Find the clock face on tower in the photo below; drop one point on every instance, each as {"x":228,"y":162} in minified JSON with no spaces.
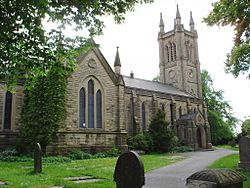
{"x":171,"y":74}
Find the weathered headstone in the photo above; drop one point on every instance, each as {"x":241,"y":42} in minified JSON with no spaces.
{"x":38,"y":159}
{"x":244,"y":146}
{"x":129,"y":171}
{"x":216,"y":178}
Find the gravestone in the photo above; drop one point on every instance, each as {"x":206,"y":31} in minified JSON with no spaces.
{"x":244,"y":147}
{"x":216,"y":178}
{"x":129,"y":171}
{"x":37,"y":159}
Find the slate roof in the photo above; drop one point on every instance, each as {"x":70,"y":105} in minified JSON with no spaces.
{"x":153,"y":86}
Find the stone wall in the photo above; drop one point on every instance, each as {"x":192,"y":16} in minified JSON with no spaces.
{"x":92,"y":66}
{"x":153,"y":101}
{"x":93,"y":141}
{"x":8,"y":136}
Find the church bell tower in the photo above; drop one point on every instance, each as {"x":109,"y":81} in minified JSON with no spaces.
{"x":179,"y":59}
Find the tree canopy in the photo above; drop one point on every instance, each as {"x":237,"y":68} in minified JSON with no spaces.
{"x":27,"y":50}
{"x":234,"y":13}
{"x":246,"y":127}
{"x":220,"y":116}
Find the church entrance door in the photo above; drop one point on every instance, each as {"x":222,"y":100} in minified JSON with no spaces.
{"x":198,"y":134}
{"x":201,"y":137}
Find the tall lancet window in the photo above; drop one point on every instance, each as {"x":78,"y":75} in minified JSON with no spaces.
{"x":172,"y":57}
{"x":167,"y":50}
{"x":163,"y":107}
{"x":99,"y":109}
{"x":82,"y":108}
{"x":172,"y":114}
{"x":180,"y":111}
{"x":174,"y":46}
{"x":143,"y":117}
{"x":7,"y":110}
{"x":188,"y":50}
{"x":191,"y":52}
{"x":91,"y":104}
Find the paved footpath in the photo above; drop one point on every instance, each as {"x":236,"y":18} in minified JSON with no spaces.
{"x":174,"y":176}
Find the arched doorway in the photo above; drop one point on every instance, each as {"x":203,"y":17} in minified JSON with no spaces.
{"x":198,"y":134}
{"x":201,"y":137}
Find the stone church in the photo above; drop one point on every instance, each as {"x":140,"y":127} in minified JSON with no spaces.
{"x":104,"y":107}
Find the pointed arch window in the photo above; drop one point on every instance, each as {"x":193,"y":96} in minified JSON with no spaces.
{"x":172,"y":57}
{"x":163,"y":107}
{"x":8,"y":110}
{"x":132,"y":127}
{"x":172,"y":114}
{"x":174,"y":46}
{"x":180,"y":111}
{"x":143,"y":117}
{"x":90,"y":104}
{"x":82,"y":108}
{"x":191,"y":52}
{"x":167,"y":48}
{"x":99,"y":109}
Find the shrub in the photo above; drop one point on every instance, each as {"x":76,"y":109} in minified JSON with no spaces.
{"x":79,"y":155}
{"x":180,"y":149}
{"x":100,"y":155}
{"x":16,"y":159}
{"x":232,"y":143}
{"x":140,"y":142}
{"x":11,"y":155}
{"x":175,"y":142}
{"x":114,"y":152}
{"x":160,"y":132}
{"x":9,"y":152}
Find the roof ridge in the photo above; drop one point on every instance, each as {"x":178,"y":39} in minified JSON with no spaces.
{"x":159,"y":84}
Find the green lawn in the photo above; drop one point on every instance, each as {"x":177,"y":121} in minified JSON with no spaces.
{"x":20,"y":174}
{"x":228,"y":147}
{"x":231,"y":161}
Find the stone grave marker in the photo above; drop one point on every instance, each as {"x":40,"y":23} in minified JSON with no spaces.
{"x":129,"y":171}
{"x":216,"y":178}
{"x":244,"y":147}
{"x":37,"y":159}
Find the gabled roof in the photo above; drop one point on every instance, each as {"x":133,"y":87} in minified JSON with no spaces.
{"x":153,"y":86}
{"x":102,"y":60}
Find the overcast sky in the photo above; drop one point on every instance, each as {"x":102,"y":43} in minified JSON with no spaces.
{"x":138,"y":46}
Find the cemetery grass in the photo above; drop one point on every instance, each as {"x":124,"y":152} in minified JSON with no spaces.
{"x":20,"y":174}
{"x":235,"y":148}
{"x":231,"y":161}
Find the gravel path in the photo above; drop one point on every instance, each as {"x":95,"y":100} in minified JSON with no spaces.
{"x":174,"y":176}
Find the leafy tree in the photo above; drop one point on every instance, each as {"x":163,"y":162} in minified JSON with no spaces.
{"x":156,"y":79}
{"x":28,"y":51}
{"x":220,"y":131}
{"x":245,"y":127}
{"x":160,"y":132}
{"x":234,"y":13}
{"x":44,"y":110}
{"x":220,"y":116}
